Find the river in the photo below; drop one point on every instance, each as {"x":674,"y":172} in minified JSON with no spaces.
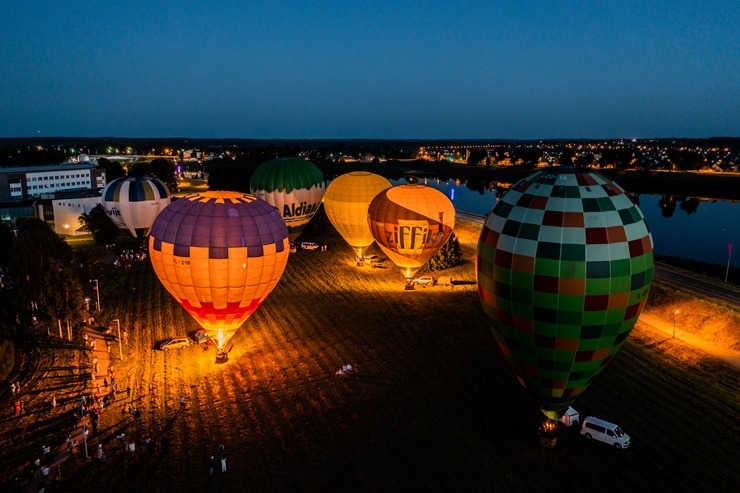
{"x":690,"y":228}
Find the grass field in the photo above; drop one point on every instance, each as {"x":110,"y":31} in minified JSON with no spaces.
{"x":432,"y":407}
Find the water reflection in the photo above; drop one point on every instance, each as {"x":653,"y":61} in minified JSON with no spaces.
{"x":701,"y":234}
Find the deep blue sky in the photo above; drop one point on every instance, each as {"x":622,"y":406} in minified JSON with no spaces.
{"x":372,"y":69}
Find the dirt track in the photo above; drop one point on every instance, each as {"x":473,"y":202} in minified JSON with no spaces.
{"x":432,"y":406}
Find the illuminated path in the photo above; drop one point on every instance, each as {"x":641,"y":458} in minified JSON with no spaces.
{"x":729,"y":357}
{"x":688,"y":281}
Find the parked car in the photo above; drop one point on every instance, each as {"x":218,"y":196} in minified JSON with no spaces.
{"x":308,"y":245}
{"x":604,"y":431}
{"x":202,"y":337}
{"x":174,"y":343}
{"x":424,"y":281}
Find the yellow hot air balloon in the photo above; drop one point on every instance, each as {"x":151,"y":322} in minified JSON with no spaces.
{"x":219,"y":254}
{"x":346,"y":201}
{"x":410,"y":223}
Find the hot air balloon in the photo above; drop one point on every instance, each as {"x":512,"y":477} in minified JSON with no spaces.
{"x":564,"y":266}
{"x":346,"y":201}
{"x":410,"y":223}
{"x":293,"y":186}
{"x":219,"y":254}
{"x":133,"y":202}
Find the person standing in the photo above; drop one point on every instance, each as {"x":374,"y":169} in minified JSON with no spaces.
{"x":12,"y":388}
{"x":211,"y":466}
{"x":53,"y":401}
{"x":223,"y":464}
{"x":125,"y":337}
{"x":182,"y":403}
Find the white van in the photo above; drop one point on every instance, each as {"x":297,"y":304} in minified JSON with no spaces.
{"x":308,"y":245}
{"x":604,"y":431}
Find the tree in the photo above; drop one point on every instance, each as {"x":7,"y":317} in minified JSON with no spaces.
{"x":99,"y":225}
{"x":113,"y":169}
{"x":39,"y":268}
{"x":477,"y":155}
{"x":159,"y":168}
{"x":448,"y":256}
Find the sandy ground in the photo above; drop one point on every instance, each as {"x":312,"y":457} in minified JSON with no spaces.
{"x":429,"y":405}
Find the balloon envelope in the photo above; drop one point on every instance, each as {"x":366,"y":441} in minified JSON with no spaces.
{"x":219,"y":254}
{"x":410,"y":223}
{"x":133,"y":202}
{"x":293,"y":186}
{"x":346,"y":202}
{"x":564,"y":266}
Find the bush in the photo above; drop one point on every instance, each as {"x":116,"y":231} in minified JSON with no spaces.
{"x":448,"y":256}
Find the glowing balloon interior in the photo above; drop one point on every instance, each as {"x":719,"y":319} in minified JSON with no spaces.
{"x":564,"y":266}
{"x":133,"y":203}
{"x":346,"y":203}
{"x":410,"y":223}
{"x":293,"y":186}
{"x":219,"y":254}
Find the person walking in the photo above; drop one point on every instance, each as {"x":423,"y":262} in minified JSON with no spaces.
{"x":182,"y":403}
{"x":125,"y":337}
{"x":211,"y":466}
{"x":128,"y":391}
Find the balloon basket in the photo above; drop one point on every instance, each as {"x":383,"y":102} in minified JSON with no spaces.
{"x":222,"y":356}
{"x":547,"y":432}
{"x":548,"y":442}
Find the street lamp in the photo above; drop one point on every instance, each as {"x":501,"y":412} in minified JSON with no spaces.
{"x":120,"y":351}
{"x":674,"y":322}
{"x":97,"y":291}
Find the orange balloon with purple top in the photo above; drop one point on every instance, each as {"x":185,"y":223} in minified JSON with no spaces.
{"x":219,"y":254}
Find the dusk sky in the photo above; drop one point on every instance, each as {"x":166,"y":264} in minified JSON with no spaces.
{"x":380,"y":69}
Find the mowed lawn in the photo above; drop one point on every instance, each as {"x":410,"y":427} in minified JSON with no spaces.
{"x":432,"y":405}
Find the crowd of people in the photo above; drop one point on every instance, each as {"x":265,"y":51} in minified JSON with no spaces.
{"x":84,"y":419}
{"x":127,"y":258}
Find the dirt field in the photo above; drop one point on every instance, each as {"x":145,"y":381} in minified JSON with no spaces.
{"x":432,"y":405}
